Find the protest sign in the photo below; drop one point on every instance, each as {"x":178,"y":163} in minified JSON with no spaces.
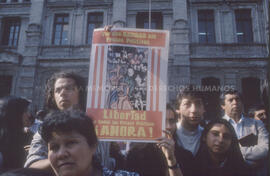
{"x":127,"y":83}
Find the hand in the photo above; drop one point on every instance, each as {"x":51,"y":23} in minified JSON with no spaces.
{"x":167,"y":144}
{"x":26,"y":148}
{"x":108,"y":28}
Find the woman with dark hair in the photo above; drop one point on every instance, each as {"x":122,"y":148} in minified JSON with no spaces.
{"x":12,"y":140}
{"x":219,"y":153}
{"x":72,"y":142}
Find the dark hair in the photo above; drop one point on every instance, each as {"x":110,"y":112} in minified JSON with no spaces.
{"x":50,"y":103}
{"x":40,"y":115}
{"x":233,"y":164}
{"x":224,"y":122}
{"x":146,"y":159}
{"x":11,"y":131}
{"x":11,"y":111}
{"x":190,"y":91}
{"x":234,"y":155}
{"x":226,"y":92}
{"x":251,"y":111}
{"x":67,"y":121}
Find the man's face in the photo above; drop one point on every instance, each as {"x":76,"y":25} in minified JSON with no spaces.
{"x":232,"y":105}
{"x":260,"y":115}
{"x":66,"y":93}
{"x":191,"y":111}
{"x":170,"y":121}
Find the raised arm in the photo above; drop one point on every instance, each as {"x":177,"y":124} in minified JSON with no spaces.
{"x":38,"y":154}
{"x":167,"y":145}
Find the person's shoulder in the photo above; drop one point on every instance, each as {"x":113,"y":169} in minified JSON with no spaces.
{"x":108,"y":172}
{"x":253,"y":121}
{"x":26,"y":172}
{"x":200,"y":128}
{"x":37,"y":136}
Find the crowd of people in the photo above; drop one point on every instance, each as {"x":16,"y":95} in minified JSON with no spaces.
{"x":61,"y":139}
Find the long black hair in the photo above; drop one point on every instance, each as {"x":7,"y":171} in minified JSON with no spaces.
{"x":11,"y":131}
{"x":50,"y":103}
{"x":70,"y":120}
{"x":234,"y":163}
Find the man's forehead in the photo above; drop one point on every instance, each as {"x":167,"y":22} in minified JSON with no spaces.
{"x":192,"y":99}
{"x":64,"y":81}
{"x":260,"y":110}
{"x":230,"y":96}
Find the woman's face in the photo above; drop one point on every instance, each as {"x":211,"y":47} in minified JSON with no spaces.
{"x":70,"y":154}
{"x":219,"y":139}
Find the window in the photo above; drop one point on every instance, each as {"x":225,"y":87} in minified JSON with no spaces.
{"x":142,"y":20}
{"x":250,"y":92}
{"x":11,"y":31}
{"x":206,"y":26}
{"x":5,"y":85}
{"x":60,"y":34}
{"x":243,"y":26}
{"x":94,"y":20}
{"x":3,"y":1}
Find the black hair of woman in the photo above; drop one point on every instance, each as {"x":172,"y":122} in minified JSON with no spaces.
{"x":12,"y":110}
{"x":233,"y":163}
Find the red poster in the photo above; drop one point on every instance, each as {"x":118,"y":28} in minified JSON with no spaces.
{"x":127,"y":83}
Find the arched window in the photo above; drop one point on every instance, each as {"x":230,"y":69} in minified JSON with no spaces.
{"x":250,"y":91}
{"x":5,"y":85}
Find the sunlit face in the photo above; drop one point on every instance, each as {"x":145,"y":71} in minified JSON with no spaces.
{"x":260,"y":115}
{"x":70,"y":155}
{"x":232,"y":105}
{"x":191,"y":111}
{"x":66,"y":93}
{"x":218,"y":139}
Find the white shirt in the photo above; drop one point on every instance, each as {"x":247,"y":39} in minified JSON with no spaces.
{"x":246,"y":126}
{"x":238,"y":126}
{"x":189,"y":140}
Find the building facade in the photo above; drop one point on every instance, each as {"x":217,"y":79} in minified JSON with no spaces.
{"x":214,"y":44}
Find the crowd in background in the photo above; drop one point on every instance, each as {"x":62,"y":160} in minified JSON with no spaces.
{"x":61,"y":140}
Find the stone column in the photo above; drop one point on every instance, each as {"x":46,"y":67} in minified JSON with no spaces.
{"x":266,"y":15}
{"x":119,"y":13}
{"x":28,"y":68}
{"x":180,"y":72}
{"x":1,"y":24}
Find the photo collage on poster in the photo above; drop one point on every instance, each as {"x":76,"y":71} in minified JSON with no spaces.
{"x":126,"y":78}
